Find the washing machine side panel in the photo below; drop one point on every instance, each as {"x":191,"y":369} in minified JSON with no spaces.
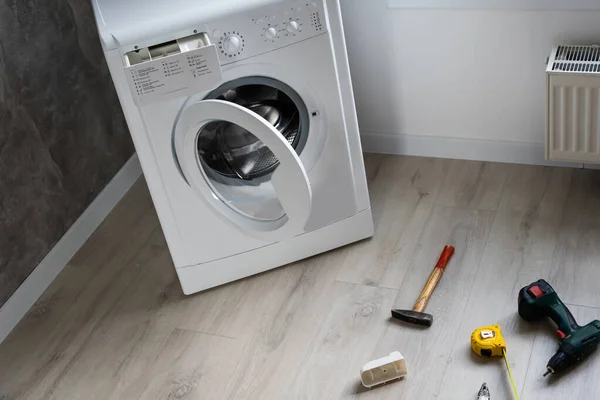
{"x":336,"y":27}
{"x":150,"y":166}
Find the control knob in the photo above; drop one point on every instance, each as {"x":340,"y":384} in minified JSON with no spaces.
{"x":271,"y":33}
{"x":232,"y":44}
{"x":292,"y":27}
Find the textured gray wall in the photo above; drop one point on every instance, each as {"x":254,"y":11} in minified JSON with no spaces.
{"x":62,"y":132}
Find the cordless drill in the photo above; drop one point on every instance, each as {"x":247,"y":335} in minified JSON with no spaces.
{"x":539,"y":300}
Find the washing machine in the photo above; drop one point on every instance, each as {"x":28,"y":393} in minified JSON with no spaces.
{"x":243,"y":119}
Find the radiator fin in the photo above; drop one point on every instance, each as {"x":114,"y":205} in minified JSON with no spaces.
{"x":573,"y":120}
{"x":577,"y":59}
{"x":574,"y":124}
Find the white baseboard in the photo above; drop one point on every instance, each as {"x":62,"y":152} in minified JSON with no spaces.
{"x":463,"y":149}
{"x":26,"y":295}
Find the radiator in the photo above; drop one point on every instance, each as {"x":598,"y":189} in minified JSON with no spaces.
{"x":573,"y":104}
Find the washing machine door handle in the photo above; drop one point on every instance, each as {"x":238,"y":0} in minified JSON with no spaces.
{"x":289,"y":180}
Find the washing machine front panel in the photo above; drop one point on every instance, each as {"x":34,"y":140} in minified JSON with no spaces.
{"x":209,"y":233}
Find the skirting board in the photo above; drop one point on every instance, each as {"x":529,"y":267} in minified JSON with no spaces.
{"x":36,"y":283}
{"x":462,"y":149}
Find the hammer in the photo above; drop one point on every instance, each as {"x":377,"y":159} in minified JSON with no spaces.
{"x":417,"y":316}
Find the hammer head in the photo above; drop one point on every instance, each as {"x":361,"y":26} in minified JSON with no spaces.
{"x":413,"y":317}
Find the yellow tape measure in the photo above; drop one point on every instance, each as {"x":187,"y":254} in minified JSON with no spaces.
{"x":487,"y":341}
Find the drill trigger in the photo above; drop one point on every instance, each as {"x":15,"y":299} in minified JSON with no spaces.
{"x":536,"y":291}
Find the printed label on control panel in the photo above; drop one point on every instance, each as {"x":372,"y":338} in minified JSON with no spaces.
{"x":175,"y":76}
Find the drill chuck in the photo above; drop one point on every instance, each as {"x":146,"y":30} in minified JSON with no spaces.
{"x":558,"y":363}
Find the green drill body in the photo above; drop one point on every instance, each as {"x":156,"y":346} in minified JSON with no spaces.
{"x":539,"y":300}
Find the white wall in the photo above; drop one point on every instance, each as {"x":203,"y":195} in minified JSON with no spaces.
{"x":471,"y":74}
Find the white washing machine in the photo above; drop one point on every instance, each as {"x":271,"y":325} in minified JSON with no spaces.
{"x":263,"y":166}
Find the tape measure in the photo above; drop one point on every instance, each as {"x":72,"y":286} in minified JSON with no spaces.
{"x":487,"y":341}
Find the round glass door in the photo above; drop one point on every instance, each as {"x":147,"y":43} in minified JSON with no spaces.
{"x":239,"y":149}
{"x":238,"y":165}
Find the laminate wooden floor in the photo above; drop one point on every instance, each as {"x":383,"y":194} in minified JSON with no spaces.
{"x":115,"y":324}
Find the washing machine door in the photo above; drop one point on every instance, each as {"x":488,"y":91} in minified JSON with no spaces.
{"x":243,"y":167}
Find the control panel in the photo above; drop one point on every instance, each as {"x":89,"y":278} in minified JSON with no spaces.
{"x":265,"y":29}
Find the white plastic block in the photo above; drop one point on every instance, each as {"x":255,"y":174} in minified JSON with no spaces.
{"x":383,"y":370}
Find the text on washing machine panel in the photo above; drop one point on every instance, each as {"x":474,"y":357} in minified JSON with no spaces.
{"x":172,"y":69}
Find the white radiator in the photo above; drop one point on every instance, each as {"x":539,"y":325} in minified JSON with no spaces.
{"x":573,"y":89}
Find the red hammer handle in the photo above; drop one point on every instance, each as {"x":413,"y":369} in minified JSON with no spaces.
{"x":445,"y":257}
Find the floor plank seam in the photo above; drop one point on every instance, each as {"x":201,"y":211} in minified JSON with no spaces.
{"x":441,"y":182}
{"x":414,"y":250}
{"x":366,"y":285}
{"x":464,"y":310}
{"x":465,"y":208}
{"x":205,"y":333}
{"x":504,"y":185}
{"x":556,"y":252}
{"x":528,"y":366}
{"x":581,"y":305}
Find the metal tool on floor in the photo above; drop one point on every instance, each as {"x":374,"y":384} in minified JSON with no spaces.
{"x":484,"y":392}
{"x":417,"y":316}
{"x":487,"y":341}
{"x":539,"y":300}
